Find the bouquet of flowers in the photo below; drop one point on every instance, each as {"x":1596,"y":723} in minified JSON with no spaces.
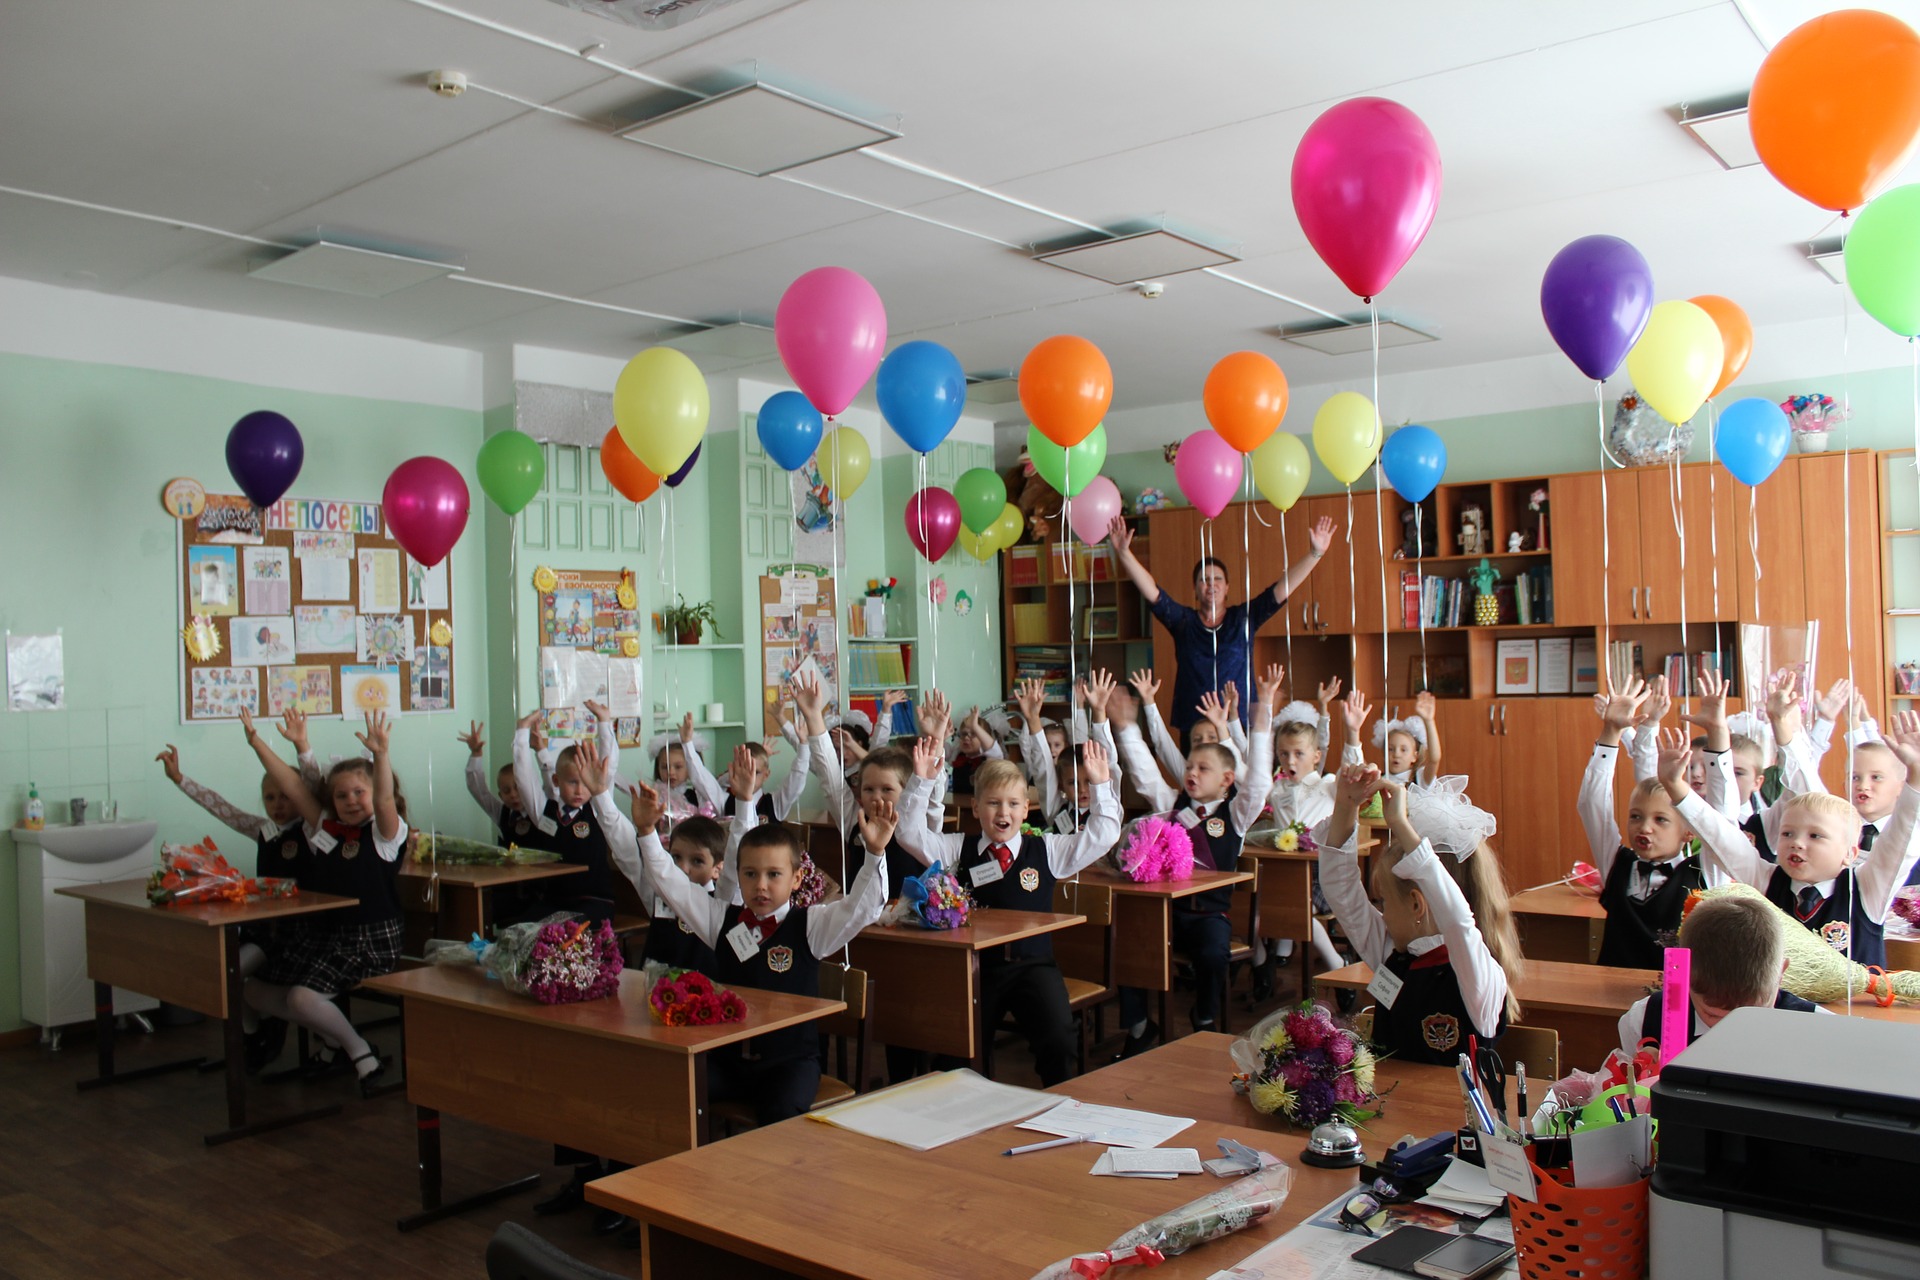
{"x":810,"y":887}
{"x":1157,"y":849}
{"x":197,"y":873}
{"x":688,"y":998}
{"x":453,"y":851}
{"x":1295,"y":837}
{"x":1302,"y":1065}
{"x":934,"y":899}
{"x":1813,"y":412}
{"x":559,"y":960}
{"x":881,"y":588}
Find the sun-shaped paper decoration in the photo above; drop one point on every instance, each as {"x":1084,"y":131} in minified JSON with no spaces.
{"x":544,"y":579}
{"x":370,"y":694}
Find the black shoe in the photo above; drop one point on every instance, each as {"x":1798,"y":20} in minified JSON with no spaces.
{"x":608,"y":1221}
{"x":264,"y":1045}
{"x":325,"y":1063}
{"x":570,"y":1196}
{"x":1199,"y":1026}
{"x":1346,"y":998}
{"x":370,"y":1080}
{"x":1263,"y":975}
{"x":1140,"y":1043}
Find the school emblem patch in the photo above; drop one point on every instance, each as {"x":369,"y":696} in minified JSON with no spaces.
{"x":684,"y":927}
{"x":1440,"y":1031}
{"x":351,"y":849}
{"x":581,"y":830}
{"x":1836,"y":934}
{"x":521,"y":827}
{"x":780,"y":959}
{"x":288,"y":849}
{"x":1029,"y":879}
{"x":1216,"y":827}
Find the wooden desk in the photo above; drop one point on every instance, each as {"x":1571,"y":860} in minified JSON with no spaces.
{"x":1560,"y":922}
{"x":188,"y":955}
{"x":1284,"y":881}
{"x":754,"y":1206}
{"x":1902,"y":953}
{"x":600,"y":1075}
{"x":463,"y":908}
{"x":927,"y":989}
{"x":1143,"y":922}
{"x":1583,"y":1002}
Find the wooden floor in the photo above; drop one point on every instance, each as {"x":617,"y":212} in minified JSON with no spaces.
{"x":116,"y":1184}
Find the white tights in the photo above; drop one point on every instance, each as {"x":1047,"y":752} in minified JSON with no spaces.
{"x":305,"y":1007}
{"x":1323,"y":950}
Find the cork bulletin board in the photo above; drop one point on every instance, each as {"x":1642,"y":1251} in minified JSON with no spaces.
{"x":308,"y":605}
{"x":590,"y":650}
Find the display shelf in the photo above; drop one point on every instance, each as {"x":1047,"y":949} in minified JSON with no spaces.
{"x":690,"y":648}
{"x":883,"y":639}
{"x":1490,"y":555}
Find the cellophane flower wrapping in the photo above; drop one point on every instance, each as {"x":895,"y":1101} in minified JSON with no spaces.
{"x":453,"y":851}
{"x":198,"y":873}
{"x":1301,"y":1064}
{"x":1158,"y":849}
{"x":688,"y":998}
{"x":934,"y":899}
{"x":1295,"y":837}
{"x":562,"y":959}
{"x":1235,"y":1207}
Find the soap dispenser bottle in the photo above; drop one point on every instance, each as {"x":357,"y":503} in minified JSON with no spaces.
{"x":36,"y":811}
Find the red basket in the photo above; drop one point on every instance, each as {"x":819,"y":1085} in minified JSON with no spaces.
{"x":1581,"y":1233}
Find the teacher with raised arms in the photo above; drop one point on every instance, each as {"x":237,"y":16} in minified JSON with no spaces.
{"x":1212,"y":643}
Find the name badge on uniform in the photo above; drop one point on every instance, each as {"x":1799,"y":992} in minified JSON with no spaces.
{"x":1385,"y":987}
{"x":351,"y":849}
{"x":582,"y":829}
{"x":744,"y":941}
{"x":985,"y":873}
{"x":1029,"y":879}
{"x":1216,"y":827}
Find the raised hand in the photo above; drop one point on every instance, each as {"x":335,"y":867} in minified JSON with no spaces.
{"x":1783,"y":694}
{"x":246,"y":724}
{"x":1213,"y":709}
{"x":1659,"y":702}
{"x":686,"y":728}
{"x":1120,"y":536}
{"x":1676,"y":756}
{"x":1354,"y":709}
{"x":1356,"y":782}
{"x":891,"y":699}
{"x":1145,"y":684}
{"x":170,"y":761}
{"x":530,"y":721}
{"x":647,"y":808}
{"x":1266,"y":687}
{"x":1711,"y":713}
{"x":537,"y":736}
{"x":590,"y":765}
{"x":1030,"y":694}
{"x":600,"y":713}
{"x":1623,"y":706}
{"x":808,"y":696}
{"x":928,"y":758}
{"x":1393,"y":802}
{"x":1834,"y":703}
{"x":1320,"y":536}
{"x":1100,"y":687}
{"x":1095,"y":765}
{"x":938,"y":709}
{"x":1902,"y":737}
{"x":740,"y":771}
{"x":378,"y":735}
{"x":876,"y":827}
{"x":293,"y":727}
{"x":1327,"y":693}
{"x":474,"y":737}
{"x":1425,"y":705}
{"x":1858,"y":711}
{"x":1232,"y":699}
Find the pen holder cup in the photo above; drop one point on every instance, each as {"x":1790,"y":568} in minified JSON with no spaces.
{"x":1581,"y":1233}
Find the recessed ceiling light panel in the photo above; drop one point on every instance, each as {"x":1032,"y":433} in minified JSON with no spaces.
{"x":342,"y":268}
{"x":1722,"y":128}
{"x":1142,"y":256}
{"x":758,"y":129}
{"x":999,"y":387}
{"x":1352,"y":335}
{"x":1830,"y":257}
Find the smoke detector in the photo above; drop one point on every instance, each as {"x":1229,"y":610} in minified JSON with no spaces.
{"x":448,"y":84}
{"x":1151,"y":288}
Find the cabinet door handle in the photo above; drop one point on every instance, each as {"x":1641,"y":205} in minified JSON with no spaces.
{"x":1490,"y":710}
{"x":1503,"y":719}
{"x":1649,"y":591}
{"x":1634,"y":595}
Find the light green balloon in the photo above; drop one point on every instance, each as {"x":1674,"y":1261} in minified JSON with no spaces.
{"x":981,"y":493}
{"x":1063,"y":467}
{"x":1883,"y":259}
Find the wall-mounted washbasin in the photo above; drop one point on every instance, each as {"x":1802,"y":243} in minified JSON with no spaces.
{"x":92,"y":841}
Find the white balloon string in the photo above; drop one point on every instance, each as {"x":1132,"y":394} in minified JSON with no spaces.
{"x":1420,"y":581}
{"x":836,"y":534}
{"x":433,"y":813}
{"x":513,"y":607}
{"x":1353,"y":595}
{"x":1379,"y":439}
{"x":1713,"y":516}
{"x":1680,"y":532}
{"x":1246,"y":568}
{"x":1753,"y":543}
{"x":933,"y":622}
{"x":1606,"y":538}
{"x":1070,"y":539}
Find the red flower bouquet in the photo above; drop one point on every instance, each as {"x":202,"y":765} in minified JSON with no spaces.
{"x":197,"y":873}
{"x":688,"y":998}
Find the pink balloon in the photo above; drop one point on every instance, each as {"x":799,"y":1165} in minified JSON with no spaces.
{"x":1366,"y":184}
{"x":425,"y":505}
{"x":1208,"y":471}
{"x":933,"y":521}
{"x":832,"y":331}
{"x":1093,"y":509}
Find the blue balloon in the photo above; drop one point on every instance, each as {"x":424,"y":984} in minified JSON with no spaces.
{"x":790,"y":429}
{"x":1414,"y":458}
{"x":1751,"y":438}
{"x":921,"y":389}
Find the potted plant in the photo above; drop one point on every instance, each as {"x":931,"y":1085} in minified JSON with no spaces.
{"x":683,"y":621}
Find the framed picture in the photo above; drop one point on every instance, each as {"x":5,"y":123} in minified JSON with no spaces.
{"x":1446,"y":675}
{"x":1103,"y":622}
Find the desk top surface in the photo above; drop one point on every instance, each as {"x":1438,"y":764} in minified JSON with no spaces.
{"x":131,"y":895}
{"x":820,"y":1201}
{"x":489,"y":877}
{"x":623,"y":1018}
{"x":1200,"y":883}
{"x":1545,"y":984}
{"x":1558,"y":900}
{"x":987,"y":927}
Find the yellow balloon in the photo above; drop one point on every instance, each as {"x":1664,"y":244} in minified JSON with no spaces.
{"x":660,"y":405}
{"x":1677,"y":360}
{"x":844,"y":461}
{"x":1006,"y":527}
{"x":977,"y":545}
{"x":1280,"y":469}
{"x":1346,"y":434}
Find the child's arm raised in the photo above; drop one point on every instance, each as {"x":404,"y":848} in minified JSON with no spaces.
{"x":788,"y":793}
{"x":1340,"y":878}
{"x":622,"y":840}
{"x":1139,"y":763}
{"x":705,"y":785}
{"x":1326,"y":695}
{"x":527,"y":777}
{"x":1427,"y":708}
{"x":929,"y":761}
{"x":1252,"y":788}
{"x":1035,"y":757}
{"x":810,"y":701}
{"x":251,"y":825}
{"x":477,"y":786}
{"x":1644,"y":748}
{"x":1101,"y":687}
{"x":1354,"y":711}
{"x":605,"y":737}
{"x":1594,"y":802}
{"x":1068,"y":854}
{"x":1727,"y":851}
{"x":1884,"y":868}
{"x":700,"y":911}
{"x":293,"y":727}
{"x":1235,"y":732}
{"x":1710,"y":717}
{"x":832,"y":925}
{"x":389,"y":829}
{"x":284,"y":776}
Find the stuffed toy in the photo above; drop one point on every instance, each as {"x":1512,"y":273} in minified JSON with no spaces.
{"x":1038,"y":501}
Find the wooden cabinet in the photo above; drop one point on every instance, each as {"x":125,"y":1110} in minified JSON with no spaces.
{"x":1769,"y":515}
{"x":1704,"y":499}
{"x":1346,"y":588}
{"x":1623,"y":564}
{"x":1596,"y":548}
{"x":1840,"y":523}
{"x":1523,"y":771}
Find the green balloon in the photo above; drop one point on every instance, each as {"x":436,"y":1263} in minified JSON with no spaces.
{"x":1883,"y":259}
{"x":512,"y":467}
{"x":1078,"y":465}
{"x":981,"y":493}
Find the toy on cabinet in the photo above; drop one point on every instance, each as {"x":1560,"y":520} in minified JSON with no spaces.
{"x":1420,"y":532}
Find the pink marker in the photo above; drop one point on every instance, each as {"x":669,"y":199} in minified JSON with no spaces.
{"x":1676,"y":1003}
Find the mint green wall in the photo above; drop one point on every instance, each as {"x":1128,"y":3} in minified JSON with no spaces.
{"x":91,"y":552}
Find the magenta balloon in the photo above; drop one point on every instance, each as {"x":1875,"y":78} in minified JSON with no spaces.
{"x":1093,"y":509}
{"x":832,"y":330}
{"x":1366,"y":184}
{"x":1208,"y":470}
{"x":425,"y":505}
{"x":933,"y":521}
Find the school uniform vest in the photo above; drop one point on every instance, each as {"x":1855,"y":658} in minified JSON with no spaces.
{"x":1838,"y":918}
{"x":1216,"y":847}
{"x":1637,"y":930}
{"x":354,"y":869}
{"x":1756,"y":828}
{"x":763,"y":806}
{"x":516,"y":828}
{"x":580,"y":840}
{"x":1071,"y":820}
{"x":784,"y":962}
{"x":901,"y":865}
{"x":671,"y":942}
{"x":1026,"y":885}
{"x":1650,"y":1023}
{"x":285,"y":854}
{"x":1429,"y":1021}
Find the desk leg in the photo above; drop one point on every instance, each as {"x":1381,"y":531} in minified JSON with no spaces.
{"x":103,"y":1034}
{"x":427,"y":1138}
{"x":237,"y":1126}
{"x":980,"y":1028}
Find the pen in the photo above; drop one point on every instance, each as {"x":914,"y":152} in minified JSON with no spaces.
{"x":1520,"y":1074}
{"x":1042,"y":1146}
{"x":1467,"y":1082}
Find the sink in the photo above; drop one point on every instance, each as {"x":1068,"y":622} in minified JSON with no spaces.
{"x":92,"y":841}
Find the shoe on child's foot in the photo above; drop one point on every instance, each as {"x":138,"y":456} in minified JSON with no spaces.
{"x":370,"y":1075}
{"x":1263,"y":975}
{"x":608,"y":1221}
{"x":1197,"y":1025}
{"x":265,"y":1043}
{"x":570,"y":1196}
{"x":1140,"y":1043}
{"x":324,"y":1063}
{"x":1346,"y":998}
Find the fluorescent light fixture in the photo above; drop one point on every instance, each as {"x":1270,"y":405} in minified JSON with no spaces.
{"x":342,"y":268}
{"x":1129,"y":259}
{"x":1830,"y":257}
{"x":758,"y":129}
{"x":1002,"y":386}
{"x":737,"y":340}
{"x":1721,"y":127}
{"x":1352,"y":334}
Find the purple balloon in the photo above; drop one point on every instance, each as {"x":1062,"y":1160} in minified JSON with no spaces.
{"x":673,"y":481}
{"x":933,"y":521}
{"x":264,"y":453}
{"x":1596,"y":297}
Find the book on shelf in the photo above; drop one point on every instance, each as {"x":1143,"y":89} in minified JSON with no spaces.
{"x":1023,"y":566}
{"x":1685,"y":671}
{"x":902,"y":723}
{"x":1625,"y":663}
{"x":871,"y":665}
{"x":1051,"y":672}
{"x":1412,"y":599}
{"x":1029,"y":623}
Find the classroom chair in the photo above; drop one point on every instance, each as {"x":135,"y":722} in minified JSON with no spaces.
{"x":630,"y":920}
{"x":303,"y":1044}
{"x":1239,"y":951}
{"x":516,"y":1253}
{"x":1539,"y":1048}
{"x":853,"y":988}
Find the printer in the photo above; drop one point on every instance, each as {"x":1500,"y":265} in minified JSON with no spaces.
{"x":1789,"y":1146}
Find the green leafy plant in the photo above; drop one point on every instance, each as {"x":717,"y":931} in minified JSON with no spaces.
{"x":683,"y":619}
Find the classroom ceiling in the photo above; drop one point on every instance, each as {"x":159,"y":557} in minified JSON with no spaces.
{"x":284,"y":122}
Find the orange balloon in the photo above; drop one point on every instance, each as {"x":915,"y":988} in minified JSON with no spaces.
{"x":1245,"y":398}
{"x":1065,"y":387}
{"x":624,"y":469}
{"x":1736,"y":336}
{"x":1835,"y":108}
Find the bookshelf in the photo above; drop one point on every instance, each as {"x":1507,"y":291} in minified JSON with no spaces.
{"x":1071,"y":609}
{"x":1900,"y":575}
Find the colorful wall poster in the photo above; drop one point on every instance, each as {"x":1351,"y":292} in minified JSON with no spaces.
{"x":384,"y":639}
{"x":426,"y":585}
{"x":365,"y":689}
{"x":221,"y":693}
{"x":379,"y":581}
{"x":324,"y":628}
{"x":431,"y":668}
{"x":230,"y":518}
{"x":308,"y":690}
{"x":266,"y":574}
{"x":213,"y":580}
{"x":255,"y":642}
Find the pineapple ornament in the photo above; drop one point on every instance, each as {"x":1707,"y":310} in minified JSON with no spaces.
{"x":1486,"y":607}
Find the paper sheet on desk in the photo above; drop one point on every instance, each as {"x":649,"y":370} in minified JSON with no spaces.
{"x":1463,"y":1188}
{"x":934,"y":1110}
{"x":1114,"y":1126}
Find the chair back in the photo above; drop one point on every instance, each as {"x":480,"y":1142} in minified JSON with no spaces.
{"x":1539,"y":1048}
{"x":1085,"y":898}
{"x":853,"y":988}
{"x":516,"y":1253}
{"x":1086,"y":951}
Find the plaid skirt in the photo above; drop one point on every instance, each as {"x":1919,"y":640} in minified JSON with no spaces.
{"x":330,"y":959}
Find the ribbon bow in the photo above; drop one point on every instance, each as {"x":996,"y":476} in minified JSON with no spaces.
{"x":1098,"y":1264}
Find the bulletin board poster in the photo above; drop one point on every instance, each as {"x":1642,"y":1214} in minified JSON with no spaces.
{"x":796,"y":634}
{"x":308,"y":605}
{"x":590,"y":651}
